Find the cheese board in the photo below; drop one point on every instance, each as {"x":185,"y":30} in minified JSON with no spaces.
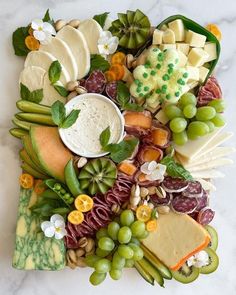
{"x":122,"y":130}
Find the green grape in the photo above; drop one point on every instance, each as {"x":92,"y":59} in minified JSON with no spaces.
{"x":144,"y":235}
{"x":127,"y":217}
{"x":205,"y":113}
{"x":218,"y":120}
{"x":118,"y":262}
{"x":124,"y":235}
{"x":113,"y":229}
{"x":198,"y":128}
{"x":178,"y":125}
{"x":106,"y":244}
{"x":210,"y":125}
{"x":125,"y":251}
{"x":102,"y":265}
{"x":138,"y":252}
{"x":102,"y":232}
{"x":180,"y":138}
{"x":172,"y":111}
{"x":137,"y":228}
{"x":189,"y":111}
{"x":91,"y":259}
{"x":115,"y":274}
{"x":218,"y":105}
{"x":97,"y":278}
{"x":102,"y":253}
{"x":135,"y":240}
{"x":187,"y":98}
{"x":191,"y":135}
{"x":129,"y":263}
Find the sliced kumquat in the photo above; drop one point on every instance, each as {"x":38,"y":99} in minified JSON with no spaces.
{"x":151,"y":225}
{"x":118,"y":70}
{"x":30,"y":31}
{"x":214,"y":29}
{"x":83,"y":203}
{"x":110,"y":76}
{"x":118,"y":58}
{"x":143,"y":213}
{"x":39,"y":186}
{"x":75,"y":217}
{"x":32,"y":43}
{"x":26,"y":180}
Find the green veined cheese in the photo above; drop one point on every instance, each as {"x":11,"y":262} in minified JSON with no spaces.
{"x":34,"y":251}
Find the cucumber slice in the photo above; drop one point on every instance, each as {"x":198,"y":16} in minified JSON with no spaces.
{"x":186,"y":274}
{"x":152,"y":271}
{"x":36,"y":118}
{"x":213,"y":262}
{"x":214,"y":237}
{"x":145,"y":275}
{"x":31,"y":107}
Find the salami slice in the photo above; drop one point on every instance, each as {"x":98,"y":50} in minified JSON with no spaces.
{"x":203,"y":201}
{"x":184,"y":205}
{"x":111,"y":90}
{"x":160,"y":201}
{"x":174,"y":185}
{"x":205,"y":216}
{"x":193,"y":190}
{"x":95,"y":83}
{"x":211,"y":90}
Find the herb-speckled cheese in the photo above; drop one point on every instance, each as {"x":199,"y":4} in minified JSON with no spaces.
{"x":33,"y":251}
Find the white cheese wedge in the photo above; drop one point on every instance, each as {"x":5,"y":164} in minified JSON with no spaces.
{"x":161,"y":117}
{"x":32,"y":77}
{"x":194,"y":39}
{"x":177,"y":26}
{"x":91,"y":31}
{"x":182,"y":59}
{"x":157,"y":37}
{"x":193,"y":73}
{"x":207,"y":185}
{"x":211,"y":164}
{"x":63,"y":54}
{"x":44,"y":60}
{"x":167,"y":46}
{"x":197,"y":57}
{"x":79,"y":47}
{"x":206,"y":174}
{"x":210,"y":48}
{"x":184,"y":47}
{"x":168,"y":37}
{"x":203,"y":72}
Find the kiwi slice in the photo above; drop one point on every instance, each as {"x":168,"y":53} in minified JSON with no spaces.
{"x":132,"y":28}
{"x":213,"y":262}
{"x":214,"y":237}
{"x":98,"y":175}
{"x":186,"y":274}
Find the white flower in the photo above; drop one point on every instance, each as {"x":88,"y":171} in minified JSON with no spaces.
{"x":42,"y":31}
{"x":199,"y":259}
{"x":54,"y":227}
{"x":107,"y":44}
{"x":153,"y":170}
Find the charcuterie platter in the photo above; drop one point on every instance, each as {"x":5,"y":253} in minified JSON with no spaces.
{"x":122,"y":129}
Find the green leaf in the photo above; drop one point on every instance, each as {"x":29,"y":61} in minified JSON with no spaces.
{"x":70,"y":119}
{"x":98,"y":62}
{"x":35,"y":96}
{"x":24,"y":92}
{"x":54,"y":71}
{"x":129,"y":106}
{"x":58,"y":112}
{"x":47,"y":18}
{"x":123,"y":95}
{"x":101,"y":18}
{"x":61,"y":90}
{"x":18,"y":41}
{"x":174,"y":169}
{"x":105,"y":136}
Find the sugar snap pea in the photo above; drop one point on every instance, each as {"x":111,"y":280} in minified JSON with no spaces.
{"x":71,"y":179}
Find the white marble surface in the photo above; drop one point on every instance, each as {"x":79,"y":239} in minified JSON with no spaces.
{"x":14,"y":13}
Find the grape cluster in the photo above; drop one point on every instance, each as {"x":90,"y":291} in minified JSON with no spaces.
{"x":187,"y":121}
{"x":118,"y":246}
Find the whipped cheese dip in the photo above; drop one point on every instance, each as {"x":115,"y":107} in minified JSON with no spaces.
{"x":97,"y":112}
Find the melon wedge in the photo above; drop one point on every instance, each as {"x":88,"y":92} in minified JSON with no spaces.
{"x":52,"y":154}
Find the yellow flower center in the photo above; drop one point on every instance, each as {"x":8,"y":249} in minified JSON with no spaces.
{"x":57,"y":229}
{"x":106,"y":46}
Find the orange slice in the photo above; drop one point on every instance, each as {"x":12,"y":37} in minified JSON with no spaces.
{"x":32,"y":43}
{"x":143,"y":213}
{"x":214,"y":29}
{"x":75,"y":217}
{"x":151,"y":225}
{"x":118,"y":70}
{"x":26,"y":180}
{"x":118,"y":58}
{"x":83,"y":203}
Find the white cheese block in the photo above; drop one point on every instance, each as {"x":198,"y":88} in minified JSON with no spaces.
{"x":192,"y":84}
{"x":211,"y":164}
{"x":79,"y":47}
{"x":203,"y":72}
{"x":91,"y":31}
{"x":210,"y":48}
{"x":194,"y":39}
{"x":167,"y":46}
{"x":168,"y":37}
{"x":182,"y":59}
{"x":161,"y":117}
{"x":197,"y":57}
{"x":63,"y":54}
{"x":177,"y":26}
{"x":184,"y":47}
{"x":193,"y":73}
{"x":206,"y":174}
{"x":164,"y":28}
{"x":32,"y":77}
{"x":44,"y":60}
{"x":207,"y":185}
{"x":157,"y":37}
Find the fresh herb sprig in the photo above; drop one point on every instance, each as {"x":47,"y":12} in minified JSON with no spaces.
{"x":54,"y":74}
{"x":98,"y":62}
{"x":33,"y":96}
{"x":101,"y":18}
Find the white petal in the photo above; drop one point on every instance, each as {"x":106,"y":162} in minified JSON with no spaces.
{"x":36,"y":24}
{"x":112,"y":48}
{"x":59,"y":223}
{"x":49,"y":28}
{"x":103,"y":40}
{"x":45,"y":225}
{"x":59,"y":235}
{"x":190,"y":261}
{"x":155,"y":175}
{"x":161,"y":168}
{"x":144,"y":168}
{"x":47,"y":39}
{"x":56,"y":217}
{"x":39,"y":35}
{"x":152,"y":165}
{"x":103,"y":50}
{"x":106,"y":34}
{"x":49,"y":232}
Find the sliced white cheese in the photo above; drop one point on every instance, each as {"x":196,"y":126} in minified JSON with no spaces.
{"x":63,"y":54}
{"x":79,"y":47}
{"x":184,"y":47}
{"x":32,"y":77}
{"x":203,"y":72}
{"x":197,"y":57}
{"x":168,"y":37}
{"x":177,"y":26}
{"x":182,"y":59}
{"x":194,"y":39}
{"x":206,"y":174}
{"x":167,"y":46}
{"x":207,"y":185}
{"x":91,"y":31}
{"x":44,"y":60}
{"x":193,"y":73}
{"x":50,"y":95}
{"x":192,"y":84}
{"x":210,"y":48}
{"x":211,"y":164}
{"x":157,"y":37}
{"x":161,"y":117}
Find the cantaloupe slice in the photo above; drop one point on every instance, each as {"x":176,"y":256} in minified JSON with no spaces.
{"x":139,"y":119}
{"x":52,"y":154}
{"x":150,"y":154}
{"x":127,"y":168}
{"x":160,"y":136}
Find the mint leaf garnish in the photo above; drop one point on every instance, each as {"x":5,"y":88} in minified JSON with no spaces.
{"x":98,"y":62}
{"x":54,"y":71}
{"x":105,"y":136}
{"x":33,"y":96}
